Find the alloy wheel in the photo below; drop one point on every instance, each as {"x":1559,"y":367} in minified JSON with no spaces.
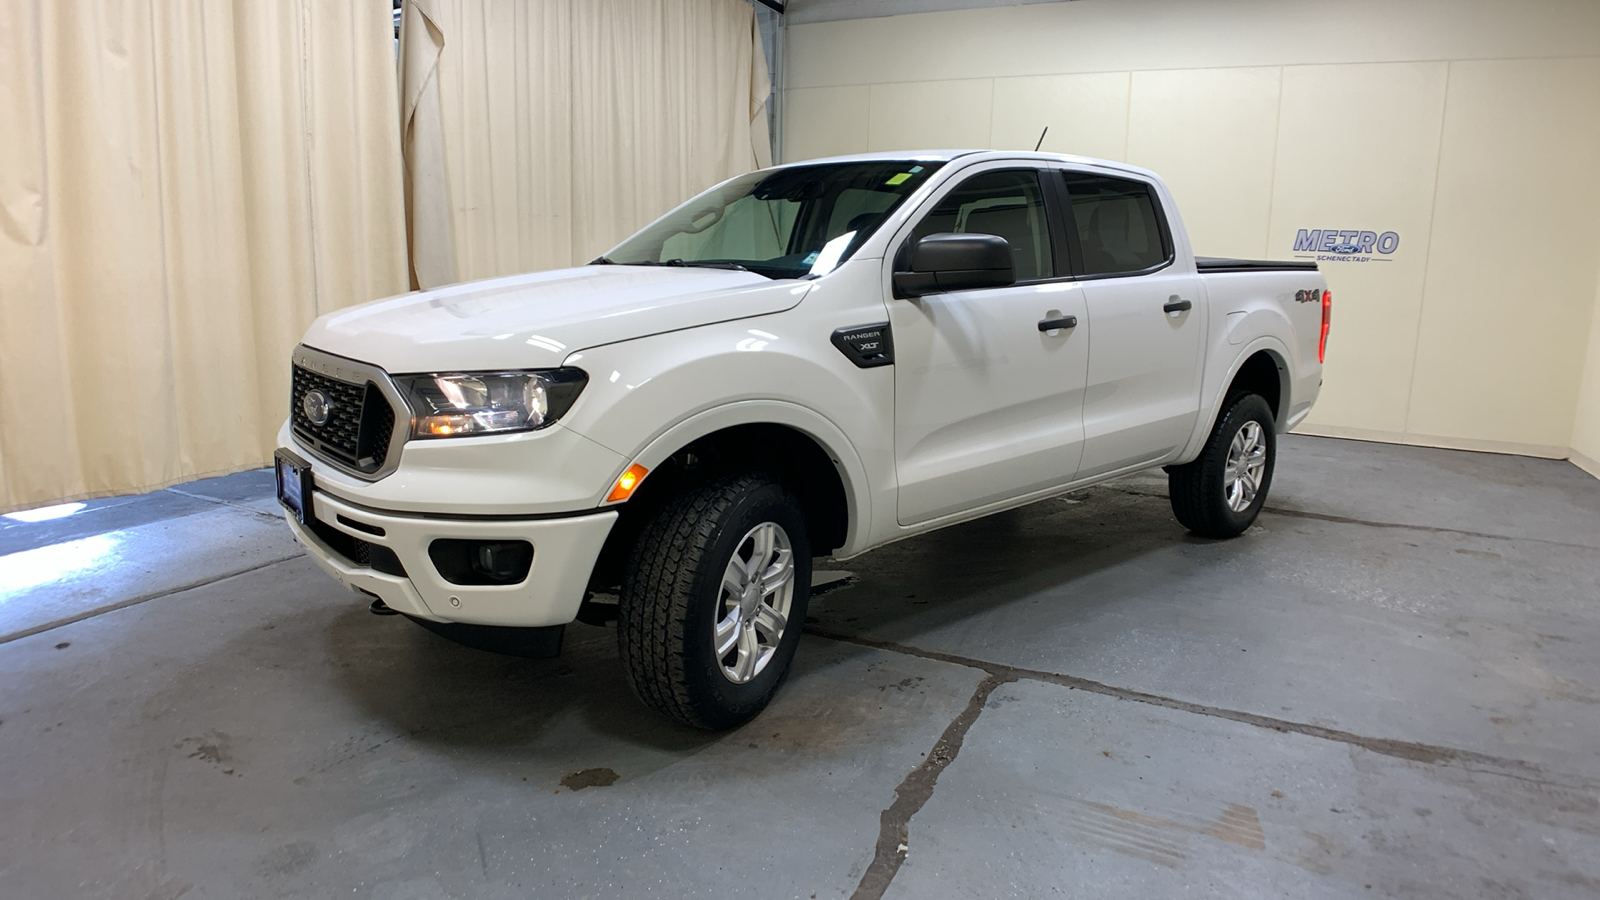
{"x":1247,"y":459}
{"x":753,"y":602}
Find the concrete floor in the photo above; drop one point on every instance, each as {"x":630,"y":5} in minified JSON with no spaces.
{"x":1387,"y":688}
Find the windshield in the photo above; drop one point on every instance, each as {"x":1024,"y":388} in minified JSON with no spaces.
{"x":784,"y":223}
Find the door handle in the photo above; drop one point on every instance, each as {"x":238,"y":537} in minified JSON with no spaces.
{"x":1063,"y":322}
{"x":1176,"y":305}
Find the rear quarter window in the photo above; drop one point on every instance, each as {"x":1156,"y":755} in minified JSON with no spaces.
{"x":1120,"y":231}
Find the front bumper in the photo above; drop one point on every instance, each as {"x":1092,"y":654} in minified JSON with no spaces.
{"x":564,"y":553}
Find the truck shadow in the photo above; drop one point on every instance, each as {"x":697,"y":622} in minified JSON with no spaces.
{"x":1035,"y":568}
{"x":440,"y":692}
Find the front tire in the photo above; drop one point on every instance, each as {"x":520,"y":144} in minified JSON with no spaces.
{"x":714,"y":601}
{"x":1220,"y":494}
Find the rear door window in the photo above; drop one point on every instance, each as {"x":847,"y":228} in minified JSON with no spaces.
{"x":1120,"y":230}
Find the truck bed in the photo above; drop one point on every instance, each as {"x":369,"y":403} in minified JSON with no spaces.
{"x":1222,"y":264}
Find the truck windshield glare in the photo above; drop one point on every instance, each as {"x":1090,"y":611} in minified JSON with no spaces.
{"x":788,"y":223}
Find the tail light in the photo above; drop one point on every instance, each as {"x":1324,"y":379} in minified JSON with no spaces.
{"x":1327,"y":318}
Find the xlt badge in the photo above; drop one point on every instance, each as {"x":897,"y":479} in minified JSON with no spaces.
{"x":867,"y":346}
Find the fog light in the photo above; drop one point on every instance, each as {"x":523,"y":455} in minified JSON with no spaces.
{"x":500,"y":560}
{"x":481,"y":562}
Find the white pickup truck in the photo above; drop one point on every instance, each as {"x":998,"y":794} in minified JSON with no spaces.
{"x":810,"y":360}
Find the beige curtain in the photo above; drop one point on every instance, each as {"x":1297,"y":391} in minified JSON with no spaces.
{"x":433,"y":258}
{"x":184,"y":185}
{"x":565,"y":125}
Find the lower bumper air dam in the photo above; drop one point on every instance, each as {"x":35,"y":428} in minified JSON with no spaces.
{"x":531,"y":643}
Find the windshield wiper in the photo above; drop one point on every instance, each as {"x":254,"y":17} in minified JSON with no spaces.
{"x":676,"y":263}
{"x":685,"y":264}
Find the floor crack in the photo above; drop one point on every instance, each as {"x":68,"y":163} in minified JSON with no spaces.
{"x":915,"y":790}
{"x":142,"y":598}
{"x":1347,"y":520}
{"x":269,"y":516}
{"x":1411,"y":751}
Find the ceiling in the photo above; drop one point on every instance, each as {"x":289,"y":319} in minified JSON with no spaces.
{"x":801,"y":12}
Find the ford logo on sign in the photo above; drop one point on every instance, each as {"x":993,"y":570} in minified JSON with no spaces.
{"x":317,"y":407}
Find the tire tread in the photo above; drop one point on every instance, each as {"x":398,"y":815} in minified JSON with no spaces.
{"x":658,"y":589}
{"x":1195,"y":488}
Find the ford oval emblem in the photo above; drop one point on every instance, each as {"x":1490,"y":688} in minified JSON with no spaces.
{"x":317,"y":406}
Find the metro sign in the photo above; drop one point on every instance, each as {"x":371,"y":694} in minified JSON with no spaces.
{"x":1339,"y":245}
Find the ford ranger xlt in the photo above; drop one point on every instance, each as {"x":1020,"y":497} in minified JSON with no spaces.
{"x":809,"y":360}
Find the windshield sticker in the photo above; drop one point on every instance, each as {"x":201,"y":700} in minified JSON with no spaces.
{"x":811,"y":257}
{"x":898,"y":179}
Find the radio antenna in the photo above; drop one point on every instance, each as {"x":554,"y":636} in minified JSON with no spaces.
{"x":1041,"y":139}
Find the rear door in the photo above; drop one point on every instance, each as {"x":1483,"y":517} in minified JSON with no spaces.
{"x":1143,"y":386}
{"x":987,"y":406}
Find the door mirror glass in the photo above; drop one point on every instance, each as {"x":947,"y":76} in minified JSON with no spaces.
{"x":956,"y":262}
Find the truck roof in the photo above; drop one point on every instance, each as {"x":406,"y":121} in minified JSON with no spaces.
{"x":948,"y":155}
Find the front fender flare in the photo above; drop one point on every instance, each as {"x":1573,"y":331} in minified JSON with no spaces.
{"x":857,"y":491}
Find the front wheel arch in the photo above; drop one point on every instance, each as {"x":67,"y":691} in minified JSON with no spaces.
{"x":796,"y":458}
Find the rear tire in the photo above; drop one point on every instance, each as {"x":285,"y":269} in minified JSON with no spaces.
{"x":1220,"y":494}
{"x":727,"y":562}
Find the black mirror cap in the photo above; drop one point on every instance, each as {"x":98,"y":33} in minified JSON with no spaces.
{"x":956,"y":262}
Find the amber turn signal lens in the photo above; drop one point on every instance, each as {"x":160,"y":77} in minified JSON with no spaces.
{"x":626,"y":483}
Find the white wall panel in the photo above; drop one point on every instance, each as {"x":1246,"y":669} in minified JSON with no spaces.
{"x":1124,"y":35}
{"x":1357,"y":149}
{"x":1468,"y":127}
{"x":1511,"y":265}
{"x":1212,"y":135}
{"x":1086,"y":114}
{"x":827,"y":122}
{"x":942,"y":114}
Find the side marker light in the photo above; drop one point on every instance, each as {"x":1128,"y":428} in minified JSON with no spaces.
{"x":627,"y":482}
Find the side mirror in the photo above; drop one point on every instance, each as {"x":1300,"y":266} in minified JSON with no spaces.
{"x":956,"y":262}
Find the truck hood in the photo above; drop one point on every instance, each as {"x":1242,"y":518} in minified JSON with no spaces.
{"x":538,"y":320}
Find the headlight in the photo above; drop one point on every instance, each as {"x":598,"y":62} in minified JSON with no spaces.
{"x":452,"y":405}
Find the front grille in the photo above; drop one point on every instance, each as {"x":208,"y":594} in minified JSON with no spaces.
{"x":359,"y":426}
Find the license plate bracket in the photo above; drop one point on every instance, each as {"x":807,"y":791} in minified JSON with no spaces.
{"x":293,"y":476}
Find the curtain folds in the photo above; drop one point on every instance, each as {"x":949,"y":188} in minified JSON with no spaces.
{"x":184,"y":185}
{"x":566,"y":125}
{"x":428,"y":225}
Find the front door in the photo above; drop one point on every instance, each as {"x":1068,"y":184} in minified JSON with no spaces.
{"x":1144,"y":374}
{"x":987,"y":406}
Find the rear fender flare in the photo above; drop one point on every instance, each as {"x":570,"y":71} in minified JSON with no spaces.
{"x":1203,"y":425}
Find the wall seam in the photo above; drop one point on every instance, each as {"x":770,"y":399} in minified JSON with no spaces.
{"x":1127,"y":117}
{"x":991,"y":111}
{"x":1427,"y":255}
{"x":869,"y":117}
{"x":1589,"y":361}
{"x":1272,"y":177}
